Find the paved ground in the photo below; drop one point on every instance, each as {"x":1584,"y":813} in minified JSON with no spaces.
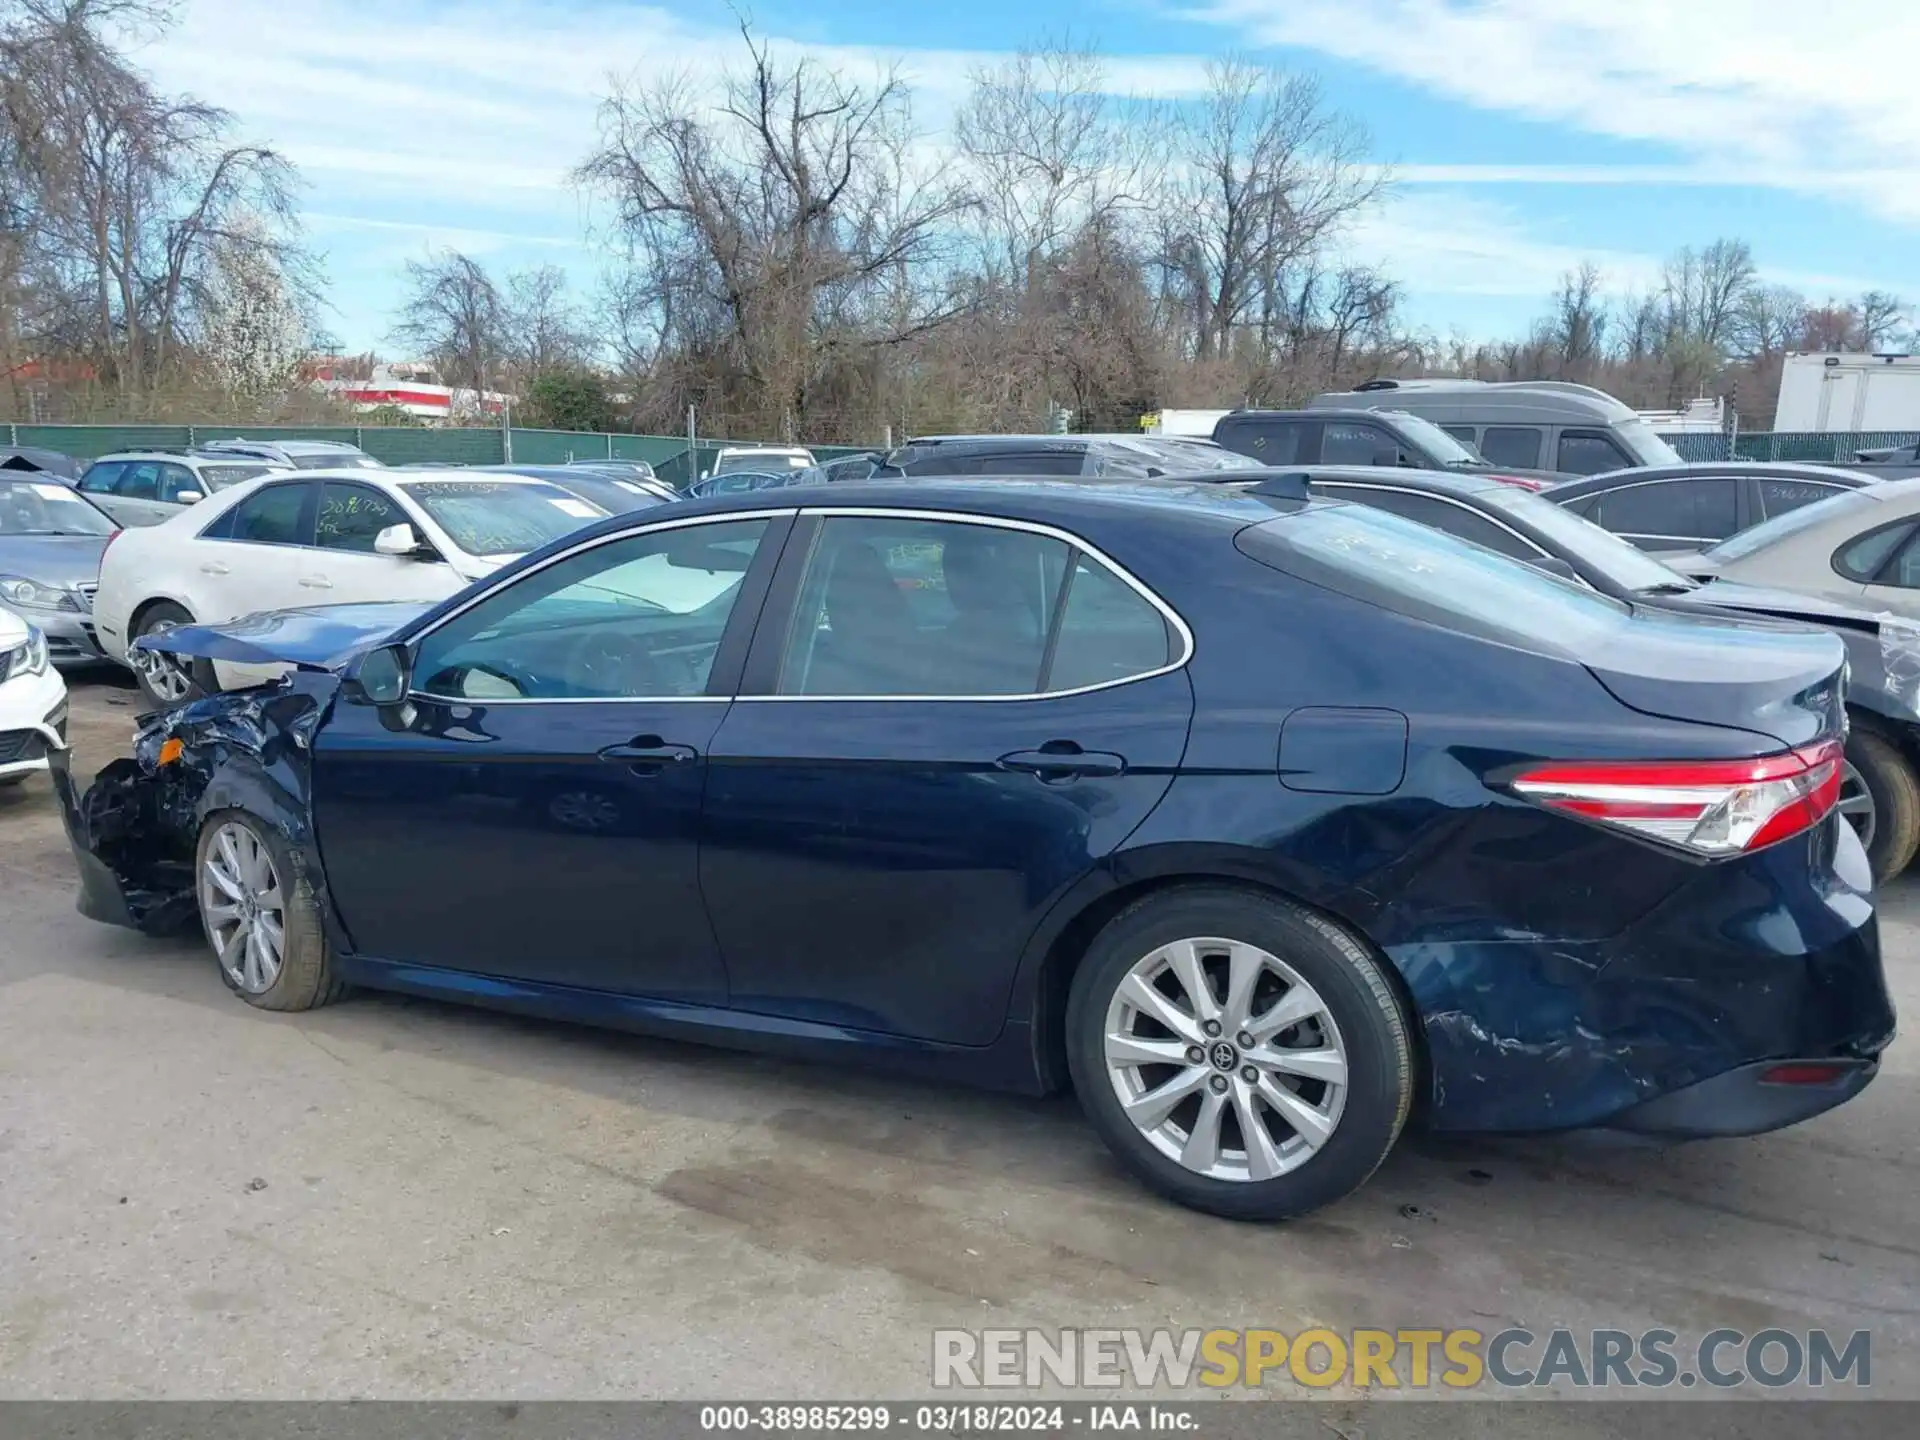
{"x":397,"y":1198}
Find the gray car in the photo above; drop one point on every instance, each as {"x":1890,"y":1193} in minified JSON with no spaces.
{"x":144,"y":487}
{"x":1859,"y":546}
{"x":51,"y":540}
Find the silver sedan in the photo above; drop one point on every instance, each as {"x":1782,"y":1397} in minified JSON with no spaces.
{"x":1859,"y":546}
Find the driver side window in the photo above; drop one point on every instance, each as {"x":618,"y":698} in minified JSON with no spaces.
{"x":639,"y":618}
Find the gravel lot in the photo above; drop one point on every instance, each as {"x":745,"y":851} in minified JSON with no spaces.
{"x":398,"y":1198}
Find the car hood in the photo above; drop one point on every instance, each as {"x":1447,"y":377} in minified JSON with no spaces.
{"x":318,"y":637}
{"x":65,"y":561}
{"x":1694,"y":564}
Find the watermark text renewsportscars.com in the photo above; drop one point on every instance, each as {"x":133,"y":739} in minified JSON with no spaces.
{"x":1409,"y":1359}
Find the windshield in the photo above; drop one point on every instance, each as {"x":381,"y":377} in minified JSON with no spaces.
{"x":1623,"y":564}
{"x":1189,"y":457}
{"x":501,"y":517}
{"x":335,"y":460}
{"x":765,"y":461}
{"x":1758,"y":537}
{"x":40,"y":507}
{"x":1436,"y":442}
{"x":219,"y":477}
{"x":1646,"y":443}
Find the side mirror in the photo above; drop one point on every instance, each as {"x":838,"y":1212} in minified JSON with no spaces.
{"x":188,"y":497}
{"x":401,"y":541}
{"x":379,"y":677}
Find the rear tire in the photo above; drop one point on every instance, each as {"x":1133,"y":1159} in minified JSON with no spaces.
{"x":1891,"y":828}
{"x":260,"y":916}
{"x":165,"y":680}
{"x":1325,"y":1094}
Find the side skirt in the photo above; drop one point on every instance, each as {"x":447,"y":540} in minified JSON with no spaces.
{"x":1007,"y":1064}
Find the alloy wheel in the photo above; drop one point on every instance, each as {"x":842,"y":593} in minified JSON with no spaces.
{"x":165,"y":676}
{"x":1856,"y":804}
{"x":1225,"y":1059}
{"x":244,"y":907}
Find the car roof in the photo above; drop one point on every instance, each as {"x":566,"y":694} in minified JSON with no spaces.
{"x":1060,"y":499}
{"x":1707,"y":469}
{"x":1500,"y":400}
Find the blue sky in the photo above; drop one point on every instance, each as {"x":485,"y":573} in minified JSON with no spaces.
{"x":1524,"y":135}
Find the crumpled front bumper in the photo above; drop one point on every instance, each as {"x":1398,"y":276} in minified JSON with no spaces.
{"x":127,"y":815}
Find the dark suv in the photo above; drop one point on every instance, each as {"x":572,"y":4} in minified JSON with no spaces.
{"x":1358,"y":437}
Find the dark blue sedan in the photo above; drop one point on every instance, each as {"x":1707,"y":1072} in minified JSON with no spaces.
{"x":1263,"y":821}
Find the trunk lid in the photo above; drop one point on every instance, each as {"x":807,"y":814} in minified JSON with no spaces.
{"x":1771,"y":677}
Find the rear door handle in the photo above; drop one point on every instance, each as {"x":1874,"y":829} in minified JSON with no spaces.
{"x":214,"y":567}
{"x":649,"y":754}
{"x":1056,"y":765}
{"x":316,"y":582}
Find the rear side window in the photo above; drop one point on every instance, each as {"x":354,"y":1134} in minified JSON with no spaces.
{"x":1516,"y":445}
{"x":100,"y":478}
{"x":1866,"y":556}
{"x":1419,"y":572}
{"x":945,"y":609}
{"x":1463,"y":433}
{"x":1271,"y":442}
{"x":1590,"y":452}
{"x":1695,"y":510}
{"x":1777,"y":497}
{"x":1108,"y":631}
{"x":1440,"y":514}
{"x":267,"y":517}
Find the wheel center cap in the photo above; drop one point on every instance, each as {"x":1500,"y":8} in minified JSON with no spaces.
{"x":1223,"y":1055}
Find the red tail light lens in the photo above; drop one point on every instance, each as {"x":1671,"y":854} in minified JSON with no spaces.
{"x":1710,"y":807}
{"x":1525,"y":484}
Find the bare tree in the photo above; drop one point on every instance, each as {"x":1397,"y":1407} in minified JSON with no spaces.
{"x":453,"y":314}
{"x":1579,"y":325}
{"x":541,"y":329}
{"x":127,"y":193}
{"x":787,"y":228}
{"x":1266,"y":175}
{"x":1053,"y":154}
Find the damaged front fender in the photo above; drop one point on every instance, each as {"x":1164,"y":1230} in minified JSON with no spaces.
{"x":135,"y":829}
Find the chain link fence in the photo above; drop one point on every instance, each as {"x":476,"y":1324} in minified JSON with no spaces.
{"x":397,"y":444}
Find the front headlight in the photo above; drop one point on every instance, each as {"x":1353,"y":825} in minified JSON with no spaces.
{"x":27,"y":659}
{"x":27,"y":594}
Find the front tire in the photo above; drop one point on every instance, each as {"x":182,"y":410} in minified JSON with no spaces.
{"x":1240,"y":1054}
{"x":1880,"y":798}
{"x":260,"y":916}
{"x":167,"y":680}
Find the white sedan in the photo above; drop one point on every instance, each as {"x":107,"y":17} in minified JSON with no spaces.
{"x":33,"y":701}
{"x":303,"y":538}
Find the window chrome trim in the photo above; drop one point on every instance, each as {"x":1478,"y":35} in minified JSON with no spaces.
{"x":1168,"y":614}
{"x":479,"y":702}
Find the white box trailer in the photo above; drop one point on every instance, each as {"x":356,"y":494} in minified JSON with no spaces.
{"x":1849,"y":392}
{"x":1183,"y":422}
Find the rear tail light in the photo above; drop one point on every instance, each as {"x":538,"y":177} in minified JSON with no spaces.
{"x":1525,"y":484}
{"x":1709,"y":807}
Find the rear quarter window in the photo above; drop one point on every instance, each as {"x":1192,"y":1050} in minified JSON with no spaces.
{"x":1419,"y":572}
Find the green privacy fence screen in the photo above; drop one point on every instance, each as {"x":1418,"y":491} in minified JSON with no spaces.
{"x":393,"y":444}
{"x":1817,"y":447}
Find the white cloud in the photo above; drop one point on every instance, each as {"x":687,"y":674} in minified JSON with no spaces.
{"x":1786,"y":93}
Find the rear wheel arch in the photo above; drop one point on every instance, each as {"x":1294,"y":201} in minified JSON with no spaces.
{"x":1071,"y":936}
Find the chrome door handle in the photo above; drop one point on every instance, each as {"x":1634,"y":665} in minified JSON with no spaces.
{"x":214,"y":567}
{"x":316,"y":582}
